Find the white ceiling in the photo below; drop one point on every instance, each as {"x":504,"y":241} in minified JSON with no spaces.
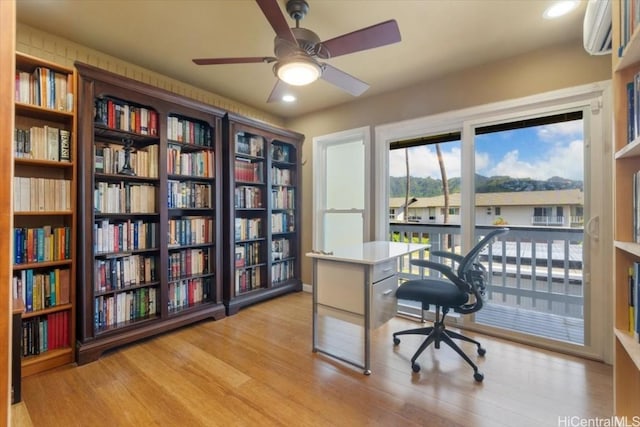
{"x":438,"y":37}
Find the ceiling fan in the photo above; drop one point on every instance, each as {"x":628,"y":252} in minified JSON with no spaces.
{"x":299,"y":51}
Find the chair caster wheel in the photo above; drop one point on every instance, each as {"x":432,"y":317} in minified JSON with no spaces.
{"x":478,"y":377}
{"x":481,"y":351}
{"x":415,"y":367}
{"x":396,"y":341}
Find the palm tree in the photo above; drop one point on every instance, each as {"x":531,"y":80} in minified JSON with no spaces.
{"x":445,"y":190}
{"x":407,"y":185}
{"x":445,"y":183}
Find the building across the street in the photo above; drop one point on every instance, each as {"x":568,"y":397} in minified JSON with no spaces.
{"x":558,"y":208}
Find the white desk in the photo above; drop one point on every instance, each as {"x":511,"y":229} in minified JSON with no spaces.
{"x":357,"y":285}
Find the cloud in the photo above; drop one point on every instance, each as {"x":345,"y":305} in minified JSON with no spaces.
{"x":566,"y":161}
{"x":561,"y":131}
{"x":423,"y":161}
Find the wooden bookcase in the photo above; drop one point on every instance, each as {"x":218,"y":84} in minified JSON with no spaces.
{"x":150,"y":227}
{"x":262,"y":217}
{"x":626,"y":246}
{"x":44,"y":214}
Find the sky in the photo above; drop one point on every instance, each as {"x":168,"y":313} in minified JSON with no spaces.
{"x":536,"y":152}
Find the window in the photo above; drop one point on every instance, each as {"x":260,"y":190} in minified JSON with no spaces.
{"x":452,"y":211}
{"x":542,"y":211}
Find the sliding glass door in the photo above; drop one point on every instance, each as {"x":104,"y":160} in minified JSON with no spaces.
{"x":534,"y":165}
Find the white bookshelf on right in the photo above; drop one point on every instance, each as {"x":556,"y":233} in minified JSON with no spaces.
{"x":625,"y":66}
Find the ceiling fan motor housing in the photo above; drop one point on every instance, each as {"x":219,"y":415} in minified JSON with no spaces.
{"x":308,"y":42}
{"x":297,"y":9}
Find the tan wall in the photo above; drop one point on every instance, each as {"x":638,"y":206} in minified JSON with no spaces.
{"x":528,"y":74}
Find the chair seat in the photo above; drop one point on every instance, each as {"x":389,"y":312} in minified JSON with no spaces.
{"x":432,"y":291}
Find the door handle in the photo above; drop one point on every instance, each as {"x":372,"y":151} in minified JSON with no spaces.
{"x":593,"y":227}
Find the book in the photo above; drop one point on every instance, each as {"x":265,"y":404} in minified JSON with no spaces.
{"x":64,"y":286}
{"x":65,"y":146}
{"x":53,"y":143}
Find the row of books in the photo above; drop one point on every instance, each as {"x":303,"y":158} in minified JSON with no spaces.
{"x":185,"y":293}
{"x":282,"y":271}
{"x":246,"y":196}
{"x":190,"y":262}
{"x":45,"y":88}
{"x":42,"y":143}
{"x":188,"y":195}
{"x":122,"y":272}
{"x":281,"y":153}
{"x":41,"y":289}
{"x":110,"y":159}
{"x":188,"y":131}
{"x":282,"y":222}
{"x":43,"y":244}
{"x":124,"y":197}
{"x":283,"y":198}
{"x":195,"y":163}
{"x":280,"y":249}
{"x":190,"y":231}
{"x":124,"y":307}
{"x":634,"y":300}
{"x":281,"y":176}
{"x":44,"y":333}
{"x":635,"y":202}
{"x":122,"y":115}
{"x":32,"y":194}
{"x":248,"y":254}
{"x":248,"y":228}
{"x":248,"y":171}
{"x":124,"y":236}
{"x":250,"y":145}
{"x":248,"y":279}
{"x":629,"y":19}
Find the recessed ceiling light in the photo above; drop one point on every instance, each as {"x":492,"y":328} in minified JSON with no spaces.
{"x":560,"y":8}
{"x":288,"y":98}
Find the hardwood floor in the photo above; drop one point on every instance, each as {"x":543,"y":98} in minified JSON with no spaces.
{"x":257,"y":368}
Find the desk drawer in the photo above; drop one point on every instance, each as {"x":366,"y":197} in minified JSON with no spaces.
{"x":383,"y":270}
{"x":383,"y":301}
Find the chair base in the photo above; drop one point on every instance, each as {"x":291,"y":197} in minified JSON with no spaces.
{"x":437,"y":334}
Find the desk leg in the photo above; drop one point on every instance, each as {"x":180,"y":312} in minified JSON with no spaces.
{"x":367,"y":321}
{"x":314,"y":320}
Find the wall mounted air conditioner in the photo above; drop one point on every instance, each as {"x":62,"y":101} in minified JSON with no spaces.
{"x":597,"y":27}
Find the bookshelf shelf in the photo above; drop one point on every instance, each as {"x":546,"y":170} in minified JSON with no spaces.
{"x":51,"y":359}
{"x":257,"y":157}
{"x":626,"y":245}
{"x":130,"y":290}
{"x":630,"y":345}
{"x":630,"y":150}
{"x":44,"y":214}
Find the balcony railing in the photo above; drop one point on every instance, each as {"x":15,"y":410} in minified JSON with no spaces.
{"x":547,"y":220}
{"x":533,"y":270}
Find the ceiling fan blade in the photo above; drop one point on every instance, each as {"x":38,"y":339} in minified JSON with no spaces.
{"x":246,"y":60}
{"x":377,"y":35}
{"x":278,"y":91}
{"x":272,"y":12}
{"x":344,"y":81}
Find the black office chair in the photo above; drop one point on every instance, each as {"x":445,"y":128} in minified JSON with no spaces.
{"x":461,"y":290}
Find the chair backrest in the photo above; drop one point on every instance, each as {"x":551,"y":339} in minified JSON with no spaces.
{"x":474,"y":274}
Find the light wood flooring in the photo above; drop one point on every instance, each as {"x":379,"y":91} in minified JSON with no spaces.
{"x":257,"y":369}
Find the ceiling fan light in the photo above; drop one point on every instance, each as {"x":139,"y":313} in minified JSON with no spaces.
{"x":298,"y":72}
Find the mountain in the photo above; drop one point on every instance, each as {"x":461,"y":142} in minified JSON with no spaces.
{"x":429,"y":187}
